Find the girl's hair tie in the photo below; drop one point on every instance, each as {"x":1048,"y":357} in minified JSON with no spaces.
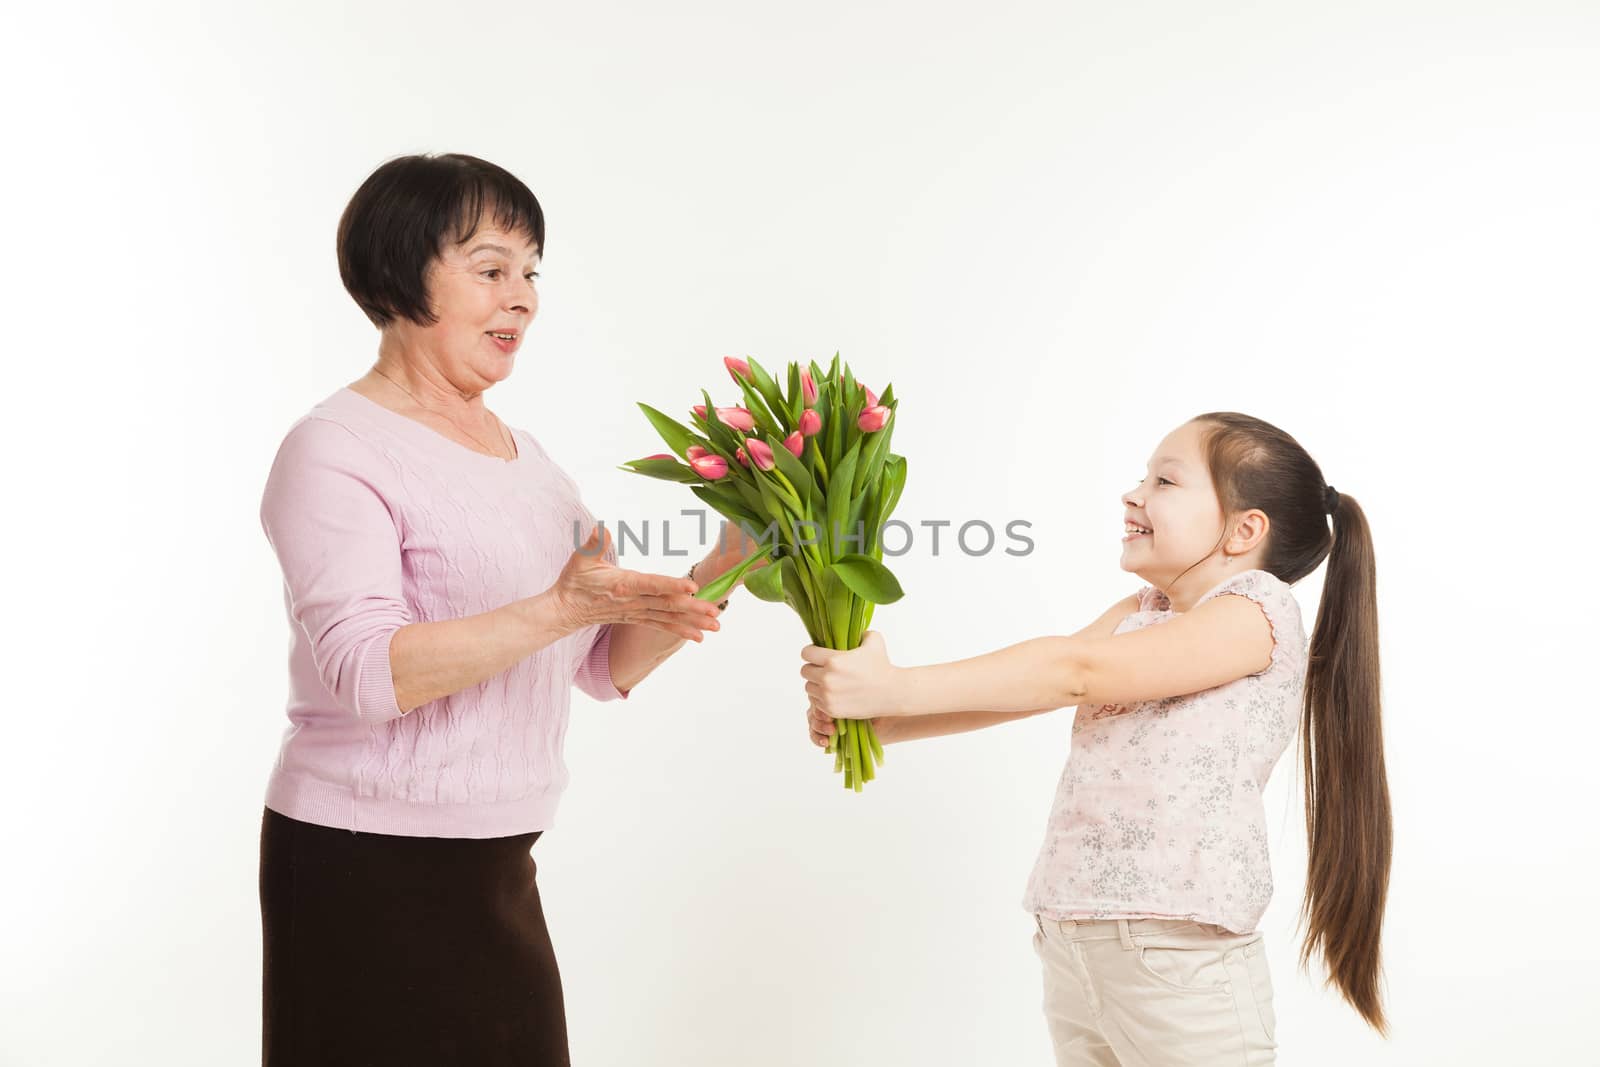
{"x":1330,"y":500}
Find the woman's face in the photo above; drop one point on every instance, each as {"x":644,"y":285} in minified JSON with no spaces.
{"x":484,"y":295}
{"x":1178,"y":504}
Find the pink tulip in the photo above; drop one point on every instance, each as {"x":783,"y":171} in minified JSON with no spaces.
{"x":696,"y":451}
{"x":873,"y":419}
{"x":872,"y":398}
{"x":662,"y":455}
{"x":738,"y":454}
{"x":709,"y":467}
{"x":795,"y":443}
{"x":761,"y":452}
{"x":808,"y":388}
{"x":738,"y":418}
{"x":699,"y":409}
{"x":738,"y":368}
{"x":810,"y":422}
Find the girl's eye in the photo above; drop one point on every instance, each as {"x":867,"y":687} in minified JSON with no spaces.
{"x":532,"y":274}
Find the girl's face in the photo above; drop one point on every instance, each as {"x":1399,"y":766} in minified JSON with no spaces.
{"x":1177,"y":503}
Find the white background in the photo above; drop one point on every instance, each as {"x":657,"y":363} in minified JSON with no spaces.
{"x":1059,"y":229}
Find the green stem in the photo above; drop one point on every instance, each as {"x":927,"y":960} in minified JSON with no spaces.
{"x":862,"y":769}
{"x":817,"y":604}
{"x":794,"y":494}
{"x":816,"y":448}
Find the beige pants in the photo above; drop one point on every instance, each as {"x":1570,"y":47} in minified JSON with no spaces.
{"x":1155,"y":993}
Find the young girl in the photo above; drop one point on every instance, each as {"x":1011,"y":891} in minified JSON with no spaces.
{"x":1154,"y":868}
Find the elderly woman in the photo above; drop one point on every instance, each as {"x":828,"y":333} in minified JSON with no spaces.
{"x":439,"y":616}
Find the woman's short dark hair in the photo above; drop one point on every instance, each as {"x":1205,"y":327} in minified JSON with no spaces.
{"x":398,"y":221}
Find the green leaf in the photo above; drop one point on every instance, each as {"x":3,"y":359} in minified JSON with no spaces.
{"x":767,"y":583}
{"x":836,"y":598}
{"x":854,"y":400}
{"x":872,"y":456}
{"x":728,"y":504}
{"x":774,"y":498}
{"x":798,"y":597}
{"x":754,"y":498}
{"x":677,"y":436}
{"x":768,"y":389}
{"x":669,"y":470}
{"x":766,"y":419}
{"x":868,"y":579}
{"x":797,"y":395}
{"x":793,"y":470}
{"x":894,"y":483}
{"x":839,"y":500}
{"x":834,"y":427}
{"x":854,"y":537}
{"x":718,"y":588}
{"x":872,"y":518}
{"x":819,"y":514}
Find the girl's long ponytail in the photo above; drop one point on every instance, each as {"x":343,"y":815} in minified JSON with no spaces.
{"x":1349,"y":831}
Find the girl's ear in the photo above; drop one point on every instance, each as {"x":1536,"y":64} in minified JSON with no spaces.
{"x":1249,"y":531}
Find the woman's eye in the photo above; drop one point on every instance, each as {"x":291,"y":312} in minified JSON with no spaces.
{"x":491,"y":272}
{"x":532,"y":274}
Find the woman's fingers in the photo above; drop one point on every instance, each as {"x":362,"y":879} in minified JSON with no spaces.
{"x":698,"y":614}
{"x":673,"y":622}
{"x":639,"y":584}
{"x":693,"y":613}
{"x":688,"y":633}
{"x":686,"y":608}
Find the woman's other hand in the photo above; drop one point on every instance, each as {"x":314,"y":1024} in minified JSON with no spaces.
{"x":591,"y":590}
{"x":733,"y":545}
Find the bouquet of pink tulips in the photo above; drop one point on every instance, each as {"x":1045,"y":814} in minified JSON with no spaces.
{"x":809,"y":468}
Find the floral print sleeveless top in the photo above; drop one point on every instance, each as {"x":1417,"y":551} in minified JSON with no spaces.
{"x":1159,"y":811}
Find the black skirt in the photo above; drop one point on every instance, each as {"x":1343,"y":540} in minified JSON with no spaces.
{"x":379,"y":949}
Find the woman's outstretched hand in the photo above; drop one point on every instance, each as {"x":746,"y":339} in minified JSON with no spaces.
{"x":858,"y":684}
{"x":591,"y":590}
